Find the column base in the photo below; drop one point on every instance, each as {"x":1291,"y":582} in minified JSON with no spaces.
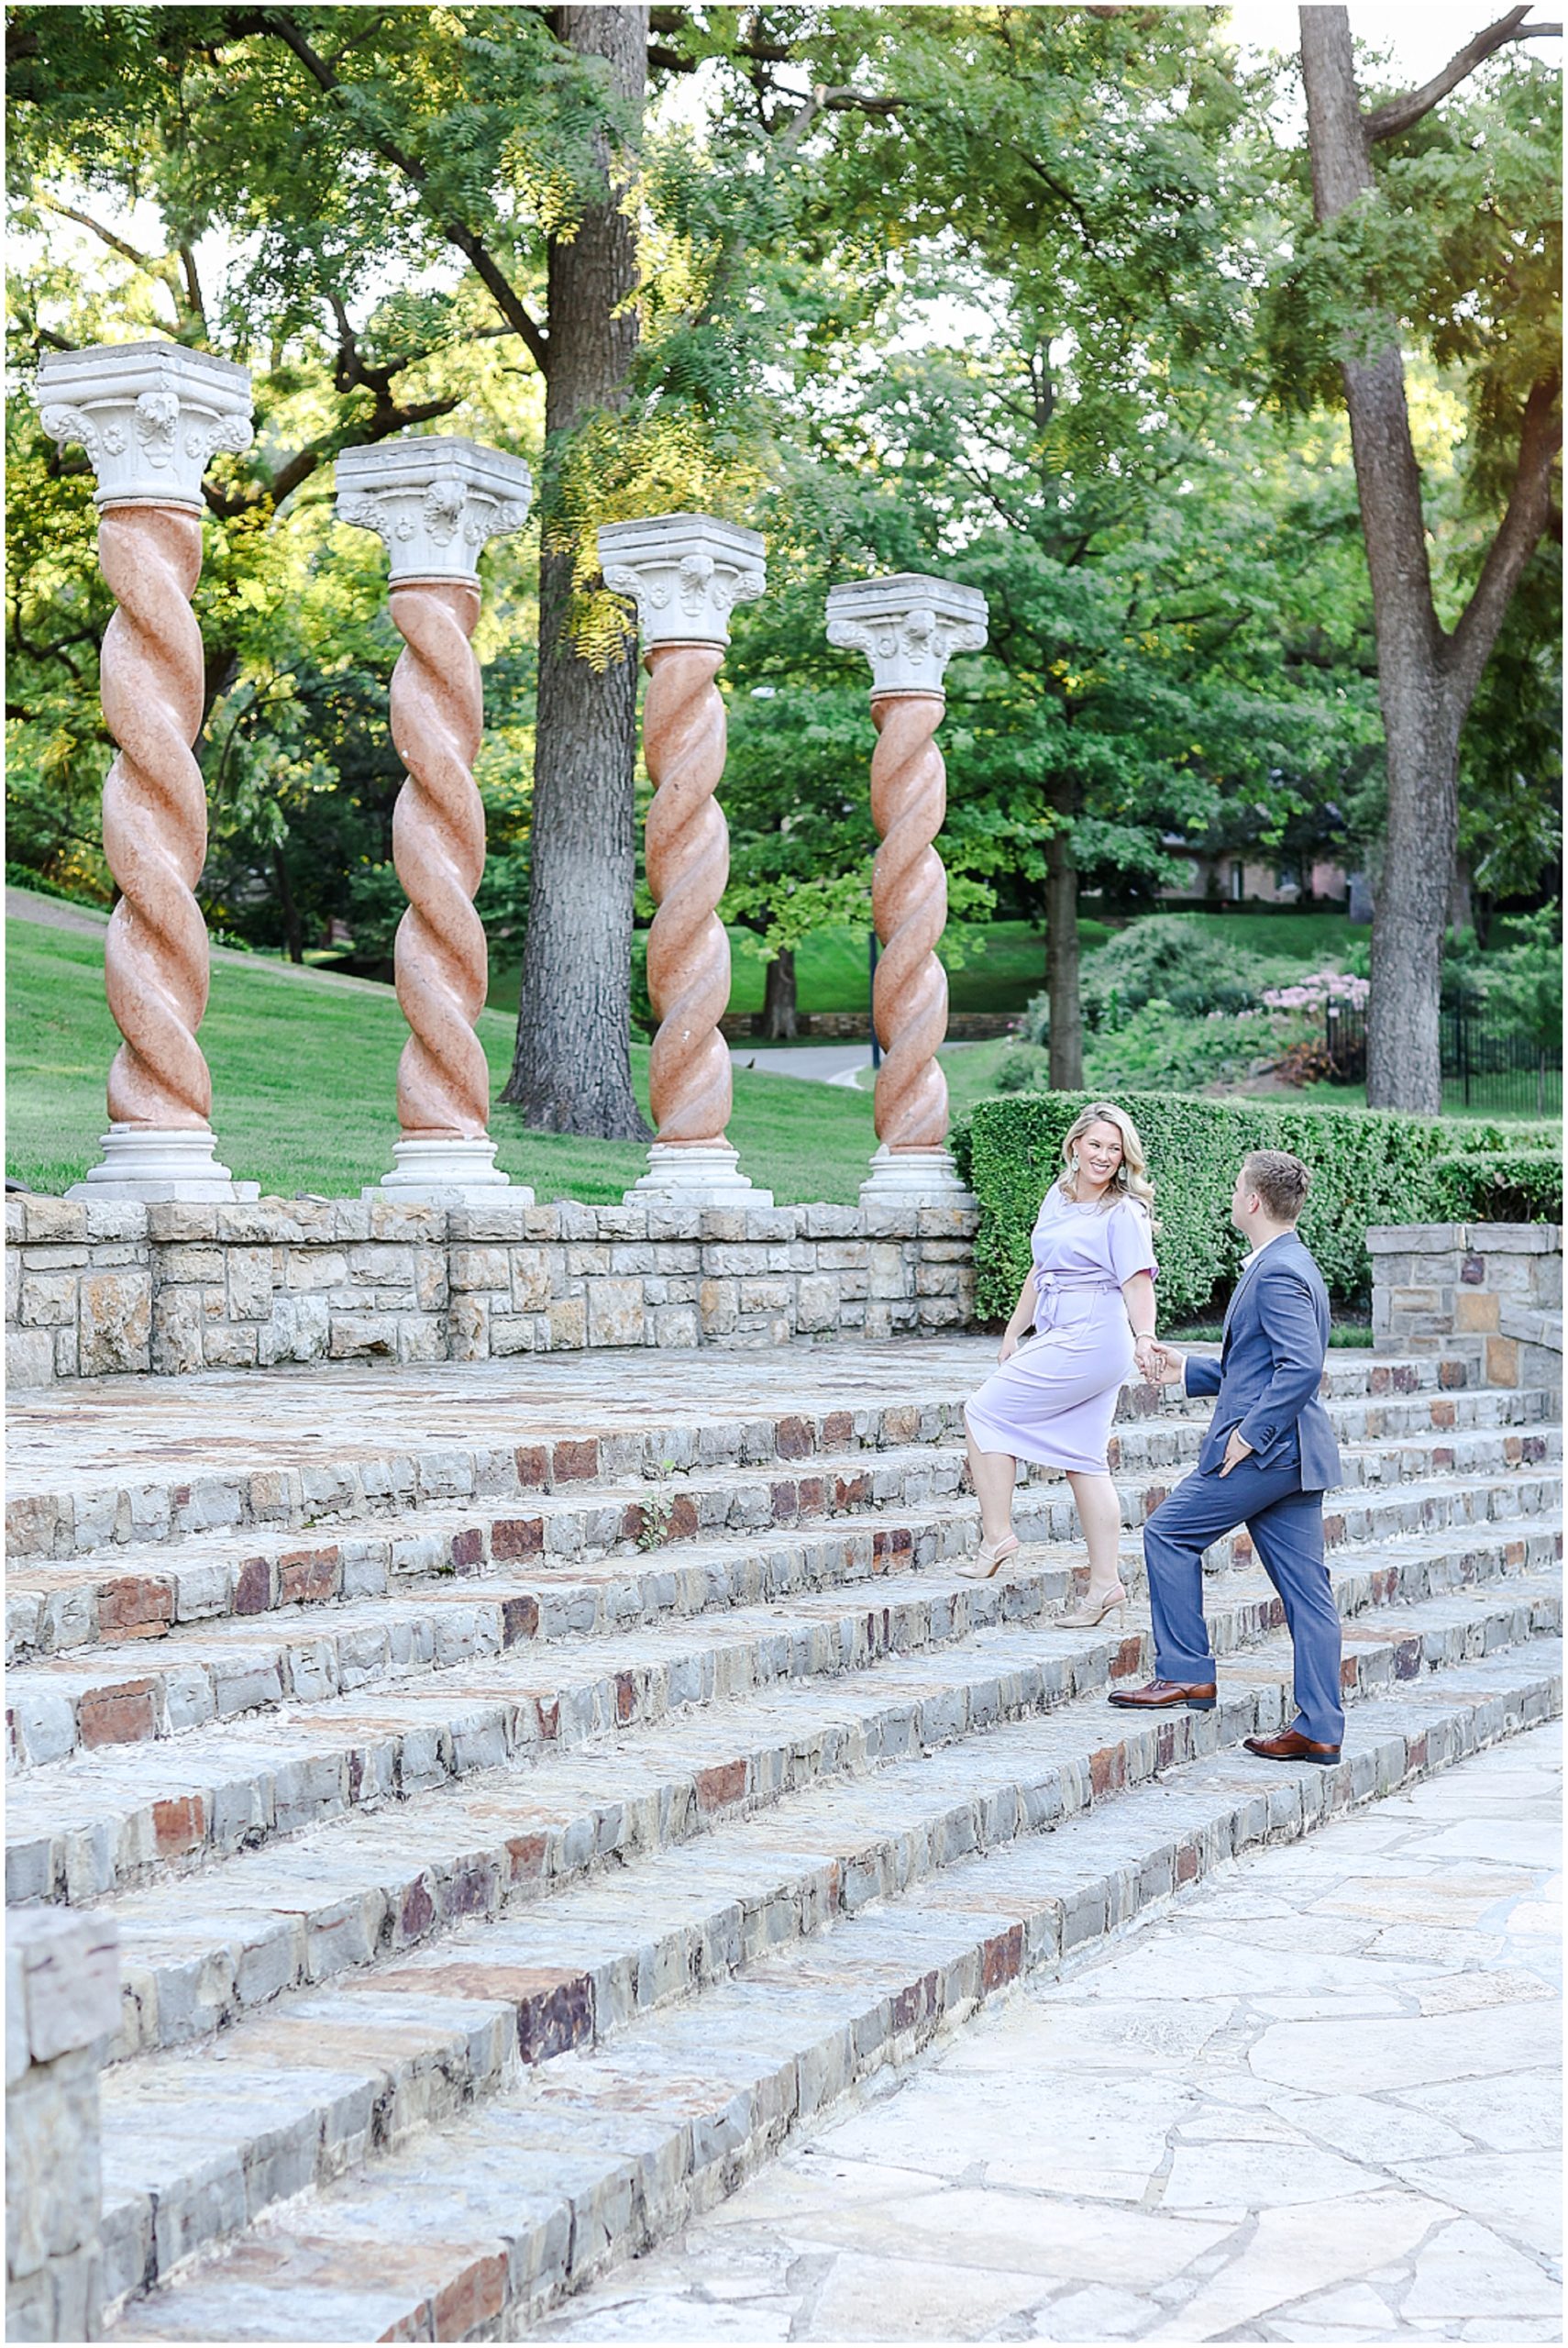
{"x":445,"y":1170}
{"x":695,"y":1174}
{"x":156,"y":1163}
{"x":914,"y":1178}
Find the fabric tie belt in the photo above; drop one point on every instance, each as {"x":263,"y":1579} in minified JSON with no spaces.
{"x":1050,"y":1286}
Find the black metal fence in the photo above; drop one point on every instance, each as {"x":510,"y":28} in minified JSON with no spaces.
{"x":1483,"y":1067}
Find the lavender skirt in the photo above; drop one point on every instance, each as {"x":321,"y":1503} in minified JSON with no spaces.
{"x":1053,"y":1402}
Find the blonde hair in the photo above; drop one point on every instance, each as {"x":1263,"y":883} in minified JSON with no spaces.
{"x":1131,"y":1179}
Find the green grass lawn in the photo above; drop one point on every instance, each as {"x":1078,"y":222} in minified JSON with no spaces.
{"x":304,"y":1078}
{"x":1005,"y":965}
{"x":1353,"y":1096}
{"x":971,"y":1072}
{"x":1310,"y":940}
{"x":304,"y":1087}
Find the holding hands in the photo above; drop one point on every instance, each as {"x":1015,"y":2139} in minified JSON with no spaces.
{"x":1159,"y":1363}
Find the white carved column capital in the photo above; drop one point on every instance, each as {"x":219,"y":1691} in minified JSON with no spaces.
{"x":909,"y":628}
{"x":151,"y":415}
{"x":686,"y":572}
{"x":435,"y":502}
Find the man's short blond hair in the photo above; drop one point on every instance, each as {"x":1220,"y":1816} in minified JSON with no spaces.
{"x":1280,"y":1180}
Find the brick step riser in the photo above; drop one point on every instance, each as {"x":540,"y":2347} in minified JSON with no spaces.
{"x":168,"y":2006}
{"x":711,"y":2153}
{"x":184,"y":1830}
{"x":161,"y":1701}
{"x":133,"y":1606}
{"x":47,"y":1526}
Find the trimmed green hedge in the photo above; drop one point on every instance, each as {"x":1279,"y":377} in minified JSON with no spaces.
{"x":1369,"y":1165}
{"x":1514,"y":1186}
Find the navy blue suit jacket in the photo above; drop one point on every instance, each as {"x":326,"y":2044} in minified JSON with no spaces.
{"x":1267,"y":1376}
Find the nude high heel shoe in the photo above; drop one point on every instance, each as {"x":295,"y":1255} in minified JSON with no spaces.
{"x":989,"y":1556}
{"x":1092,"y":1613}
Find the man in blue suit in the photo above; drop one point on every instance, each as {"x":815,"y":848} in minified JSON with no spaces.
{"x":1267,"y":1459}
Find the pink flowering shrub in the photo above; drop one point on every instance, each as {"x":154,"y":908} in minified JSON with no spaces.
{"x":1316,"y":992}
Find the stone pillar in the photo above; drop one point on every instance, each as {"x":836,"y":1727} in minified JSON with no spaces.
{"x":909,"y":628}
{"x":1486,"y":1295}
{"x":687,"y":573}
{"x":436,"y":502}
{"x":150,"y":416}
{"x":63,"y":2008}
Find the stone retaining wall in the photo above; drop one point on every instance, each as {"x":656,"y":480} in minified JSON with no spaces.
{"x":63,"y":2008}
{"x":92,"y":1291}
{"x":1491,"y":1291}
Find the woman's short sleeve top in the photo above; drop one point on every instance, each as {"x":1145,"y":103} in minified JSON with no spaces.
{"x":1084,"y":1244}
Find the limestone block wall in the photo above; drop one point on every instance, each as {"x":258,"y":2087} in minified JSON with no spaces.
{"x":62,"y":2006}
{"x":1488,"y":1291}
{"x":93,"y":1291}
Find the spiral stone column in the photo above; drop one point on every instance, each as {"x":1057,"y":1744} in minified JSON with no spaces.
{"x":909,"y":628}
{"x":150,"y":416}
{"x":687,"y":573}
{"x":436,"y":502}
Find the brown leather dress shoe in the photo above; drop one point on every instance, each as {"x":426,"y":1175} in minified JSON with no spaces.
{"x":1162,"y":1695}
{"x":1291,"y":1747}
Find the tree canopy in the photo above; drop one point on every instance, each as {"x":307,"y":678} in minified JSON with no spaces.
{"x":1033,"y":297}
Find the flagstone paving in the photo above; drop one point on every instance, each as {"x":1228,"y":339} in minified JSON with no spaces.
{"x":1318,"y":2100}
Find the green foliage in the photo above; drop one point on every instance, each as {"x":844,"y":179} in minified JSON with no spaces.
{"x":1510,"y":773}
{"x":1025,"y":1070}
{"x":1521,"y":983}
{"x":1163,"y":958}
{"x":1454,"y":255}
{"x":1160,"y":1047}
{"x":990,"y":302}
{"x":1368,"y":1167}
{"x":1512,"y":1186}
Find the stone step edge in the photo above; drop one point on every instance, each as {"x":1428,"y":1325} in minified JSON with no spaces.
{"x":44,"y":1522}
{"x":60,"y":1709}
{"x":276,"y":1962}
{"x":150,"y":1614}
{"x":461,"y":1520}
{"x":190,"y":1827}
{"x":552,"y":2249}
{"x":461,"y":2070}
{"x":104,"y":1600}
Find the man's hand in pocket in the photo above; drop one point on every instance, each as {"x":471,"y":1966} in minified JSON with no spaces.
{"x":1235,"y":1452}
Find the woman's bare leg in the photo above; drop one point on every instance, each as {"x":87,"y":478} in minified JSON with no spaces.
{"x":1099,"y":1514}
{"x":992,"y":1473}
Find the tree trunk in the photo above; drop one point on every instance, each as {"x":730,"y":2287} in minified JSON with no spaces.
{"x":293,"y":935}
{"x":779,"y":1011}
{"x":1462,"y":896}
{"x":1066,"y":1065}
{"x":572,"y":1071}
{"x":1426,"y":680}
{"x":1404,"y":1068}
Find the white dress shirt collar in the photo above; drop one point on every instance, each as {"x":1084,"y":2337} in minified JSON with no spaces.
{"x":1248,"y":1261}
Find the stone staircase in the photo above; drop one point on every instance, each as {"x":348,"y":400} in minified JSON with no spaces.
{"x":511,"y":1840}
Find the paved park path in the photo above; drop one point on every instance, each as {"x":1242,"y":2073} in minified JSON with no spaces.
{"x":1320,"y":2102}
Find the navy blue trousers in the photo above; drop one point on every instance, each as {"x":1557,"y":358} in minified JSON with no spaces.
{"x":1287,"y":1527}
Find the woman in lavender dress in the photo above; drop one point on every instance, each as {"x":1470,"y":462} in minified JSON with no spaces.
{"x":1089,"y":1300}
